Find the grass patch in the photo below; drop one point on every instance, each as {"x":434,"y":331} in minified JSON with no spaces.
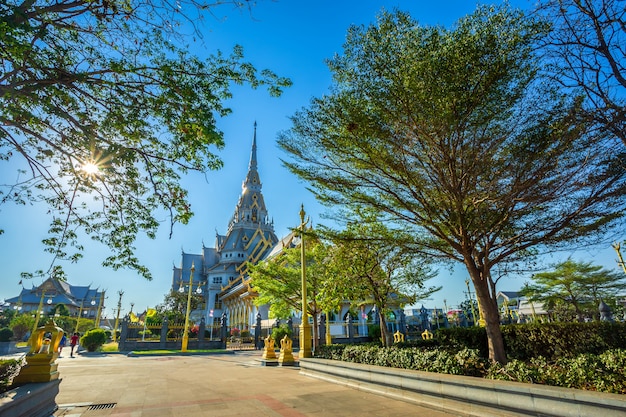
{"x":109,"y":347}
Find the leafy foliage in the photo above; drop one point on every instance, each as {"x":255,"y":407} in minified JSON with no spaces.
{"x":104,"y":106}
{"x":457,"y":136}
{"x":598,"y":372}
{"x":578,"y":285}
{"x":556,"y":340}
{"x":6,"y":334}
{"x":9,"y":368}
{"x":604,"y":372}
{"x":278,"y":333}
{"x":371,"y":265}
{"x":174,"y":306}
{"x":93,"y":339}
{"x":21,"y":324}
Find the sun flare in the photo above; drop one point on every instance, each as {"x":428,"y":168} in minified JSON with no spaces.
{"x":90,"y":168}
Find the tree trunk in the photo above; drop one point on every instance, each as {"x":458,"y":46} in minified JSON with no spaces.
{"x":384,"y":334}
{"x":489,"y":308}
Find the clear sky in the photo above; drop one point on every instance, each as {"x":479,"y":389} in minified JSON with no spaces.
{"x":292,"y":38}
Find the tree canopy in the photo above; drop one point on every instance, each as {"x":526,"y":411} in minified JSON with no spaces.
{"x":587,"y":53}
{"x":105,"y":109}
{"x":456,"y":136}
{"x":278,"y":281}
{"x":372,"y":266}
{"x":574,"y":290}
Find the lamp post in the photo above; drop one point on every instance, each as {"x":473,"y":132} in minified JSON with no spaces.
{"x":80,"y":311}
{"x":469,"y":294}
{"x":39,"y":311}
{"x":305,"y":328}
{"x":97,"y":321}
{"x":117,"y":317}
{"x":183,"y":347}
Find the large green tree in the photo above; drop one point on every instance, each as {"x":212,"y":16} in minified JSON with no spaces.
{"x":575,"y":289}
{"x":454,"y":134}
{"x":105,"y":109}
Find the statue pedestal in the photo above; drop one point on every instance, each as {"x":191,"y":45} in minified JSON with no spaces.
{"x":286,"y":355}
{"x":41,"y":363}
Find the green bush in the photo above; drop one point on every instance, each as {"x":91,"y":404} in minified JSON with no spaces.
{"x":334,"y":352}
{"x":279,"y":332}
{"x":93,"y":339}
{"x":464,"y":337}
{"x":605,"y":372}
{"x":9,"y":368}
{"x":557,"y":340}
{"x":548,"y":340}
{"x":374,"y":332}
{"x":6,"y":334}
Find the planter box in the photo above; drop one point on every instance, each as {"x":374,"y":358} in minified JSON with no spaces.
{"x":467,"y":396}
{"x":30,"y":400}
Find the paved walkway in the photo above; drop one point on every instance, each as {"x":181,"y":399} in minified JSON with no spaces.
{"x":212,"y":385}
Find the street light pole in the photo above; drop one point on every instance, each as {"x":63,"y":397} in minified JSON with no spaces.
{"x":186,"y":330}
{"x":117,"y":318}
{"x":80,"y":311}
{"x":37,"y":316}
{"x":305,"y":328}
{"x":97,"y":322}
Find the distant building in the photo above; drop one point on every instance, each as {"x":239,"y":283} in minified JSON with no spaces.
{"x":82,"y":300}
{"x":518,"y":307}
{"x":221,"y":272}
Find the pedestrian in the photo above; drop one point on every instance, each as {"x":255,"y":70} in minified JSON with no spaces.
{"x":62,"y":344}
{"x":73,"y":343}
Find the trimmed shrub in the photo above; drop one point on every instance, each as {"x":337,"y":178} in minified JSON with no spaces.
{"x":464,"y":337}
{"x":9,"y":368}
{"x":93,"y":339}
{"x":279,"y":332}
{"x":6,"y":334}
{"x":557,"y":340}
{"x":605,"y":372}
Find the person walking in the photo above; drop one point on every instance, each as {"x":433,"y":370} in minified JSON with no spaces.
{"x":62,"y":344}
{"x":74,"y":343}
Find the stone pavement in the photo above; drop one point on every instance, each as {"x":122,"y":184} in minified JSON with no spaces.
{"x":96,"y":385}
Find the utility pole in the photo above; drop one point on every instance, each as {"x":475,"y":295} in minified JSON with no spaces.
{"x":117,"y":318}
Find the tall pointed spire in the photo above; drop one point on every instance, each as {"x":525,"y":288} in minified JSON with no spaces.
{"x":253,"y":165}
{"x":252,"y":181}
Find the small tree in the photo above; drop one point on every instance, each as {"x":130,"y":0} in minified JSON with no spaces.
{"x":278,"y":281}
{"x":576,"y":287}
{"x":372,"y":266}
{"x":174,"y":306}
{"x":278,"y":333}
{"x":21,"y":324}
{"x":93,"y":339}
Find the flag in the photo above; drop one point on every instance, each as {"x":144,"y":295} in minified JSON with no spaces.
{"x":151,"y":313}
{"x":133,"y":317}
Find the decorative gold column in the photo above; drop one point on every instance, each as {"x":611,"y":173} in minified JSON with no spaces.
{"x":305,"y":327}
{"x":186,"y":330}
{"x":117,"y":317}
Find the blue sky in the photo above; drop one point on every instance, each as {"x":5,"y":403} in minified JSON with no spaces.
{"x":292,"y":38}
